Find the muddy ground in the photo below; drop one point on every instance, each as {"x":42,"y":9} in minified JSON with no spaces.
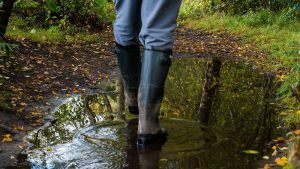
{"x":39,"y":76}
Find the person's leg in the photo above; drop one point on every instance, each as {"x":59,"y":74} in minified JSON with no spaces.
{"x":127,"y":23}
{"x":158,"y":24}
{"x":126,"y":31}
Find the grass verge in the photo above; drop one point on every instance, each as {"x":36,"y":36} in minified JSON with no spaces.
{"x":19,"y":28}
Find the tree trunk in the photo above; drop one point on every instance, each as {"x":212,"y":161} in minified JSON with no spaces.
{"x":5,"y":13}
{"x":211,"y":84}
{"x":294,"y":153}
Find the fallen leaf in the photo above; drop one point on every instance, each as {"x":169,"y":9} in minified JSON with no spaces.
{"x":251,"y":152}
{"x":274,"y":153}
{"x":7,"y":138}
{"x":75,"y":90}
{"x":297,"y":132}
{"x":281,"y":161}
{"x":19,"y":128}
{"x":267,"y":166}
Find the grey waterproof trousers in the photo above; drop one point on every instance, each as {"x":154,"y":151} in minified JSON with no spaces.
{"x":150,"y":21}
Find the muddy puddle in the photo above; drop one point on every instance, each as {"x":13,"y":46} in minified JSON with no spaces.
{"x":234,"y":99}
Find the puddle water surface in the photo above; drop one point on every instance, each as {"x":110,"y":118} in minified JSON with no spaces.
{"x":234,"y":99}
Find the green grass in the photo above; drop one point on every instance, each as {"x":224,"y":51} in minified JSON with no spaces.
{"x":274,"y":34}
{"x":19,"y":28}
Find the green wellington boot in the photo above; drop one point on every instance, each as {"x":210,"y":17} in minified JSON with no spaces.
{"x":155,"y":67}
{"x":129,"y":63}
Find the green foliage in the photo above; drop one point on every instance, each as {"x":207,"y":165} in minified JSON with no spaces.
{"x":290,"y":9}
{"x":93,"y":13}
{"x":18,"y":28}
{"x":194,"y":8}
{"x":264,"y":17}
{"x":288,"y":166}
{"x":244,"y":6}
{"x":7,"y":49}
{"x":31,"y":11}
{"x":27,"y":4}
{"x":89,"y":13}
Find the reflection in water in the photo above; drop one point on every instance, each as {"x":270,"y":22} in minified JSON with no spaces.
{"x":92,"y":132}
{"x":211,"y":85}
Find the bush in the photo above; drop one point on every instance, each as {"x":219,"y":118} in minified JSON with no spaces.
{"x":244,"y":6}
{"x":90,"y":13}
{"x":194,"y":8}
{"x":290,"y":8}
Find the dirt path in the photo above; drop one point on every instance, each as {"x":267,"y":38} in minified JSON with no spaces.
{"x":41,"y":74}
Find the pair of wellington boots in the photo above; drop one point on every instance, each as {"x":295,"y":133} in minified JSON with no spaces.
{"x":143,"y":81}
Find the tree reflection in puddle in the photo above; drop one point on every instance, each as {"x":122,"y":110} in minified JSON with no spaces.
{"x":232,"y":98}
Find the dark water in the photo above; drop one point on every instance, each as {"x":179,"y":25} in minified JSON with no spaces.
{"x":234,"y":99}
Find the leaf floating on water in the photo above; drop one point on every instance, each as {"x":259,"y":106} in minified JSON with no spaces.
{"x":251,"y":152}
{"x":7,"y":138}
{"x":281,"y":161}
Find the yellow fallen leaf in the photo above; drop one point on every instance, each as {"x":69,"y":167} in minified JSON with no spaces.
{"x":281,"y":161}
{"x":281,"y":77}
{"x":19,"y":128}
{"x":75,"y":90}
{"x":297,"y":132}
{"x":274,"y":147}
{"x":68,"y":95}
{"x":7,"y":138}
{"x":267,"y":166}
{"x":35,"y":113}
